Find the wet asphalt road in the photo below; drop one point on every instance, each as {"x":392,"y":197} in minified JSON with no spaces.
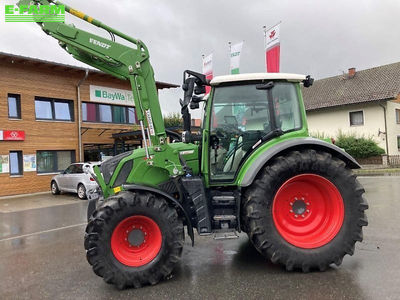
{"x":42,"y":257}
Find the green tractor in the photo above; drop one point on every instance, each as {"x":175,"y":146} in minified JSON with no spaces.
{"x":252,"y":168}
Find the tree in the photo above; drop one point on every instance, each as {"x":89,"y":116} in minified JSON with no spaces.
{"x":173,"y":120}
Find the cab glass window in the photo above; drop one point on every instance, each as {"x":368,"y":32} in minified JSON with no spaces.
{"x":241,"y":116}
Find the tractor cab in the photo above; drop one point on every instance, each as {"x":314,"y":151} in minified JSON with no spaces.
{"x":246,"y":110}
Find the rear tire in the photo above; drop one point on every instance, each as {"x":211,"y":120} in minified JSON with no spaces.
{"x":326,"y":192}
{"x":54,"y":188}
{"x":81,"y":191}
{"x":112,"y":254}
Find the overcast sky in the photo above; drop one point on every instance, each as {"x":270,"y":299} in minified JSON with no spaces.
{"x":318,"y":37}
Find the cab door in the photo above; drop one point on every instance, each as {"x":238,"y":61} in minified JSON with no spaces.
{"x":239,"y":118}
{"x":243,"y":116}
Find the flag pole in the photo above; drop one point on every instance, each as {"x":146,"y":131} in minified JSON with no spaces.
{"x":230,"y":58}
{"x":265,"y":46}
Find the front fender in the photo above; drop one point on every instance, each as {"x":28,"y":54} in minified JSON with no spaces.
{"x":295,"y":144}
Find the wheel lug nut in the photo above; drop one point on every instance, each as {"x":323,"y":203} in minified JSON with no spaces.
{"x":291,"y":203}
{"x":291,"y":210}
{"x":302,"y":216}
{"x":308,"y":203}
{"x":308,"y":210}
{"x":302,"y":198}
{"x":295,"y":216}
{"x":127,"y":231}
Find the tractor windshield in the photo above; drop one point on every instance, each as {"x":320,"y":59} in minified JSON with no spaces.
{"x":241,"y":117}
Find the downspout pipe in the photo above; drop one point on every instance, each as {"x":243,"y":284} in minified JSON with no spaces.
{"x":78,"y":91}
{"x":386,"y":133}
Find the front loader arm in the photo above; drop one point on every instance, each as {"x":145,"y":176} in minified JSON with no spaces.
{"x":123,"y":62}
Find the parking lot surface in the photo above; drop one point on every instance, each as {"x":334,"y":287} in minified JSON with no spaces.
{"x":42,"y":257}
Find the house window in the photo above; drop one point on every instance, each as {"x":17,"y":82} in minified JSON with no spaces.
{"x":119,"y":114}
{"x":89,"y":112}
{"x":14,"y":106}
{"x":54,"y":109}
{"x":104,"y":113}
{"x":62,"y":111}
{"x":54,"y":161}
{"x":15,"y":162}
{"x":356,"y":118}
{"x":131,"y":115}
{"x":398,"y":142}
{"x":397,"y":116}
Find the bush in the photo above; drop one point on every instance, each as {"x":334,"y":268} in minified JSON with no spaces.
{"x":173,"y":120}
{"x":358,"y":147}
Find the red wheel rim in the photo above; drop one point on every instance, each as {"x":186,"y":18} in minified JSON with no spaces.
{"x":308,"y":211}
{"x":136,"y":241}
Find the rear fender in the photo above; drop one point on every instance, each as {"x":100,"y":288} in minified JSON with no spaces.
{"x":295,"y":144}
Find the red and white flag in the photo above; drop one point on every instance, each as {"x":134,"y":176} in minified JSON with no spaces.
{"x":272,"y":49}
{"x":208,"y":69}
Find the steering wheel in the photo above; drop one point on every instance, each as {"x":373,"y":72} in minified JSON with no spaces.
{"x":227,"y":131}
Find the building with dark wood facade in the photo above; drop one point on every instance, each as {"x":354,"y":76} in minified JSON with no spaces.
{"x":52,"y":114}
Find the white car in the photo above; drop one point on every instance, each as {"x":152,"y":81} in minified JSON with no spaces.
{"x":74,"y":180}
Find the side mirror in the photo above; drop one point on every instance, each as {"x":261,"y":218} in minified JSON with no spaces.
{"x":197,"y":99}
{"x":199,"y":89}
{"x":308,"y":81}
{"x":194,"y":105}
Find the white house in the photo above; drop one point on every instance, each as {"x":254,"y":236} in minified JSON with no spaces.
{"x":365,"y":103}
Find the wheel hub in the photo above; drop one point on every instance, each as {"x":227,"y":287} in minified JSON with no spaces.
{"x":299,"y":207}
{"x":136,"y":237}
{"x":308,"y":211}
{"x":136,"y":241}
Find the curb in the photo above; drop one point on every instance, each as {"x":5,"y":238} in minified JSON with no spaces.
{"x":23,"y":195}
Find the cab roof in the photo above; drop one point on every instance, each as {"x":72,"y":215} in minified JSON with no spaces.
{"x":258,"y":76}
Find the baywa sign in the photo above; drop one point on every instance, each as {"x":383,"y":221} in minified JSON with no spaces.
{"x":34,"y":13}
{"x":109,"y":95}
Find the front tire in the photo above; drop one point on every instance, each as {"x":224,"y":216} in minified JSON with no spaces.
{"x":54,"y":188}
{"x":134,"y":239}
{"x":305,"y":211}
{"x":81,"y":191}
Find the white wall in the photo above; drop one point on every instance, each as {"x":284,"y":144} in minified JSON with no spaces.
{"x":393,"y":127}
{"x":330,"y":121}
